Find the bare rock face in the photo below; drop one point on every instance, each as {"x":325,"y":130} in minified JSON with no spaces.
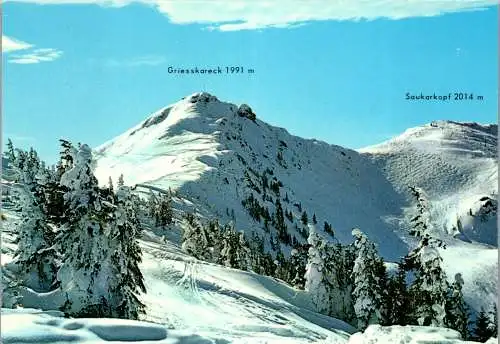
{"x":202,"y":97}
{"x":246,"y":111}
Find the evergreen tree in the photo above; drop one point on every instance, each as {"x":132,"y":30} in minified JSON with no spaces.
{"x":281,"y":267}
{"x":298,"y":263}
{"x":397,"y":299}
{"x":35,"y":254}
{"x":328,"y":228}
{"x":86,"y":241}
{"x":152,"y":206}
{"x":257,"y":254}
{"x":304,"y":218}
{"x":235,"y":250}
{"x":121,"y":182}
{"x":25,"y":166}
{"x":317,"y":283}
{"x":229,"y":256}
{"x":344,"y":258}
{"x":127,"y":280}
{"x":324,"y":277}
{"x":160,"y":209}
{"x":213,"y":230}
{"x":243,"y":253}
{"x":110,"y":185}
{"x":10,"y":153}
{"x":456,"y":309}
{"x":66,"y":157}
{"x":314,"y":219}
{"x":280,"y":223}
{"x":429,"y":289}
{"x":164,"y":213}
{"x":197,"y":241}
{"x":53,"y":195}
{"x":482,"y":330}
{"x":494,"y":321}
{"x":368,"y":291}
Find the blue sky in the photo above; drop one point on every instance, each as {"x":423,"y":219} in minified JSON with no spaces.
{"x":88,"y":72}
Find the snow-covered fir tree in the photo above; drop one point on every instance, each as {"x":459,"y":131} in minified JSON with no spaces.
{"x":494,"y":321}
{"x":429,"y":289}
{"x":262,"y":262}
{"x":304,"y":218}
{"x":456,"y":309}
{"x":86,"y":241}
{"x":324,"y":277}
{"x":298,"y":263}
{"x":228,"y":247}
{"x":279,"y":223}
{"x":235,"y":251}
{"x":164,"y":215}
{"x":25,"y":165}
{"x":397,"y":299}
{"x":121,"y":181}
{"x":111,"y":188}
{"x":317,"y":283}
{"x":369,"y":289}
{"x":35,"y":254}
{"x":53,"y":195}
{"x":160,"y":209}
{"x":152,"y":205}
{"x":108,"y":192}
{"x":66,"y":157}
{"x":10,"y":153}
{"x":482,"y":330}
{"x":126,"y":281}
{"x":281,"y":269}
{"x":196,"y":240}
{"x":243,"y":253}
{"x":428,"y":292}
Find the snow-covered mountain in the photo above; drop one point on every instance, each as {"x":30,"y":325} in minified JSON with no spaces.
{"x":215,"y":154}
{"x":216,"y":158}
{"x":456,"y":164}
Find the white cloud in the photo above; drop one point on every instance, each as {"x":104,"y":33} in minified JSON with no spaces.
{"x":36,"y":56}
{"x":30,"y":55}
{"x":148,"y":60}
{"x":10,"y":44}
{"x":230,"y":15}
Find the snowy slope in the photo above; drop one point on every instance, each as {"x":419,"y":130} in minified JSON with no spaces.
{"x":187,"y":301}
{"x":215,"y":158}
{"x":191,"y":302}
{"x":456,"y":165}
{"x":203,"y":148}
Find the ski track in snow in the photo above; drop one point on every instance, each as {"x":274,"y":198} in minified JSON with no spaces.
{"x":182,"y":296}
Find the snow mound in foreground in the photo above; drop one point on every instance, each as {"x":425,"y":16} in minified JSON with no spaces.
{"x":35,"y":326}
{"x":376,"y":334}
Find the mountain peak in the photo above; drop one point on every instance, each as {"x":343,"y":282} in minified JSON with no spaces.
{"x":201,"y":97}
{"x":440,"y":134}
